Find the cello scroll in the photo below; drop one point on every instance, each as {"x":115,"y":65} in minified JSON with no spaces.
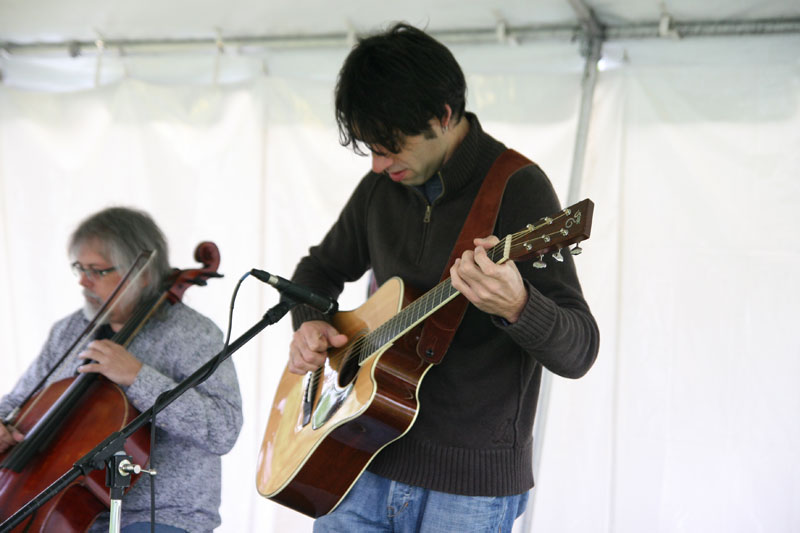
{"x":206,"y":253}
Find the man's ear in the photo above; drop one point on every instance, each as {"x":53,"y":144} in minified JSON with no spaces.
{"x":447,"y":117}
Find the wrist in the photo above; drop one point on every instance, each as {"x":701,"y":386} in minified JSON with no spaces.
{"x":516,"y":312}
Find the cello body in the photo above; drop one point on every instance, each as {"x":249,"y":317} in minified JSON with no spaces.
{"x":103,"y":410}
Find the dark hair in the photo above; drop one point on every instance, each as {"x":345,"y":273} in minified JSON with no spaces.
{"x":123,"y":234}
{"x":392,"y":84}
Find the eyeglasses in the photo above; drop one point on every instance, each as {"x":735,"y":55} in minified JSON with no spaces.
{"x":91,"y":273}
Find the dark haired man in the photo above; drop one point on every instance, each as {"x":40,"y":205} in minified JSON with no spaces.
{"x":193,"y":432}
{"x":465,"y":464}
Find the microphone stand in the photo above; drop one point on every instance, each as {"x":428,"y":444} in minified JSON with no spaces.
{"x":102,"y":456}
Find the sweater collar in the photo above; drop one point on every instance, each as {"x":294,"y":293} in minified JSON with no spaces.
{"x":459,"y":169}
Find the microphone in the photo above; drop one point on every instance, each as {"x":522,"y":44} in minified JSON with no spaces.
{"x":297,"y":292}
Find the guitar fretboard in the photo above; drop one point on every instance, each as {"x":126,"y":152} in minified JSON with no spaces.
{"x":415,"y":312}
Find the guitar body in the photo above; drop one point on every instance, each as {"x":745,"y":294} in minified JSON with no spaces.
{"x":310,"y":464}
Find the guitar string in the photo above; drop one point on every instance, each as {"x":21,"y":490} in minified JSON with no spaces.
{"x":421,"y":306}
{"x":376,"y":337}
{"x":390,"y":330}
{"x":435,"y":295}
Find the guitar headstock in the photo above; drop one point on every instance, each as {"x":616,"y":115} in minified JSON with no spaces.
{"x":551,"y":234}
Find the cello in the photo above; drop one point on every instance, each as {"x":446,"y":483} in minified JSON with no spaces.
{"x":69,"y":417}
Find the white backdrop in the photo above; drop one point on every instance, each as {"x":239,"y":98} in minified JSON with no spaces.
{"x":687,"y":423}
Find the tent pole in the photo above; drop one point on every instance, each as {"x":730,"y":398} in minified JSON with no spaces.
{"x":588,"y":84}
{"x":591,"y":49}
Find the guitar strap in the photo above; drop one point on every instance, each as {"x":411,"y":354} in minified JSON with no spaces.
{"x":440,"y":328}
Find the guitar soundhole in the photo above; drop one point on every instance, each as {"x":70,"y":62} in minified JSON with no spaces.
{"x":350,"y":363}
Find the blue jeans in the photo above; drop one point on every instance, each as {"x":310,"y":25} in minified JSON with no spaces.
{"x":144,"y":527}
{"x":379,"y":504}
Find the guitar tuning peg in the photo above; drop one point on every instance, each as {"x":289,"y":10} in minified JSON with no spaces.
{"x":577,"y":250}
{"x":539,"y":263}
{"x":557,"y":256}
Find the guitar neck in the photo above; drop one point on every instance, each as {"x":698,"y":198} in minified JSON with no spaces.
{"x":551,"y":234}
{"x":421,"y":308}
{"x":409,"y":317}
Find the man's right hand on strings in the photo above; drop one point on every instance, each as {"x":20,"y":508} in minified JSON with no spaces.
{"x":310,"y":343}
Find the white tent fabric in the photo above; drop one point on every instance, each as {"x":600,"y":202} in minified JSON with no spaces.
{"x":692,"y":162}
{"x":688,"y":421}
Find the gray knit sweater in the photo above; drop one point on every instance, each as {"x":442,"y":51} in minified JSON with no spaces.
{"x":192,"y":433}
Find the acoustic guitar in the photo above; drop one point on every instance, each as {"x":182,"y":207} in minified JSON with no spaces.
{"x":325,"y":427}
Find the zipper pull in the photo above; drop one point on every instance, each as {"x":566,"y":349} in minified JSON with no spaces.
{"x":427,"y":218}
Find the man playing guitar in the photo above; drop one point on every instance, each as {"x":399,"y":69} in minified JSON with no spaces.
{"x":466,"y":462}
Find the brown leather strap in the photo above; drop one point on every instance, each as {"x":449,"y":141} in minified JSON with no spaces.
{"x":440,"y":327}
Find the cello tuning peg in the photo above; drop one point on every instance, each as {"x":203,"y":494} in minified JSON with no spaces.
{"x":557,"y":256}
{"x":539,"y":263}
{"x":577,"y":250}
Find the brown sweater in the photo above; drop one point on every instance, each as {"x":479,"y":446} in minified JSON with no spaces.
{"x":473,"y":435}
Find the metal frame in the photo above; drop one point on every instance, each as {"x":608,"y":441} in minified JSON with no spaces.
{"x":500,"y":33}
